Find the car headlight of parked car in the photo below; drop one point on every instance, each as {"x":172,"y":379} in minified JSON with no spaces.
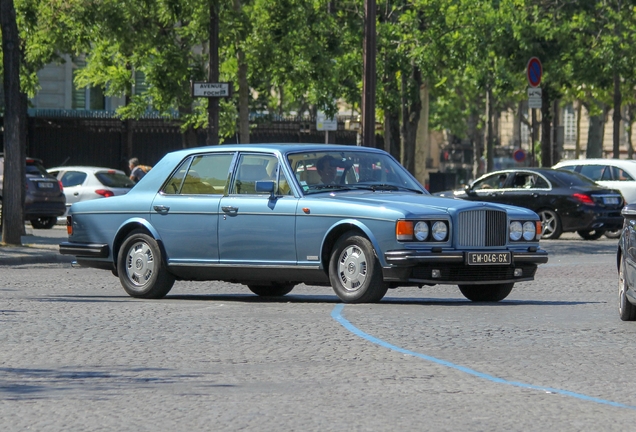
{"x":422,"y":231}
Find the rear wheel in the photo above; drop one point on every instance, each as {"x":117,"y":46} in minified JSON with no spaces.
{"x":626,"y":310}
{"x":354,"y":270}
{"x":44,"y":222}
{"x":141,"y":269}
{"x":551,"y":224}
{"x":486,"y":293}
{"x":614,"y":234}
{"x":591,"y":234}
{"x":272,"y":290}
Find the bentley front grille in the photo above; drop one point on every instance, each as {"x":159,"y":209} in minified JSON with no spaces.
{"x":483,"y":228}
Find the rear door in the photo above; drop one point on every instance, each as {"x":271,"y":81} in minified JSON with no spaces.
{"x":527,"y":189}
{"x":73,"y":182}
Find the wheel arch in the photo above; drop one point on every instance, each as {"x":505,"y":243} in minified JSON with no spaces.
{"x":131,"y":225}
{"x":336,"y":231}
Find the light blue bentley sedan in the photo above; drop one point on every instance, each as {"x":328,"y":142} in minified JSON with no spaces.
{"x":274,"y":216}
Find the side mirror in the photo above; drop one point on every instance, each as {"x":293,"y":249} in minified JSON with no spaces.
{"x":265,"y":186}
{"x":469,"y":190}
{"x":629,"y":211}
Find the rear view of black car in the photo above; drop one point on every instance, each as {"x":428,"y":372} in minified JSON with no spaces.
{"x":44,"y":198}
{"x":565,"y":201}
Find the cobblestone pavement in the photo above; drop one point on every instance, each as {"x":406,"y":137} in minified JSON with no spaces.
{"x":78,"y":354}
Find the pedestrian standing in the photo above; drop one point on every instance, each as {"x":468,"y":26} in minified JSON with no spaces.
{"x":137,"y":171}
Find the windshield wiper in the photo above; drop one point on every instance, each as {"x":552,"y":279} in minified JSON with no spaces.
{"x":387,"y":187}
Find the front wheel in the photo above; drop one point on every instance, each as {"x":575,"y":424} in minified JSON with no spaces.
{"x":354,"y":270}
{"x":272,"y":290}
{"x":551,"y":224}
{"x":613,"y":234}
{"x":591,"y":234}
{"x":44,"y":222}
{"x":141,"y":269}
{"x":626,"y":310}
{"x":486,"y":293}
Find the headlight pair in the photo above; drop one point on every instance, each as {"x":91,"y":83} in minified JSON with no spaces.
{"x":526,"y":230}
{"x":428,"y":230}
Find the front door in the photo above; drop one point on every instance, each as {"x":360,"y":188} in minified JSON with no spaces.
{"x":257,"y":228}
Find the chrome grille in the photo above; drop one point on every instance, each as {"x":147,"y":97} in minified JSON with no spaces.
{"x":483,"y":228}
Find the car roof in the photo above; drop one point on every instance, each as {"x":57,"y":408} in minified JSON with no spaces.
{"x":597,"y":161}
{"x":278,"y":147}
{"x":83,"y":168}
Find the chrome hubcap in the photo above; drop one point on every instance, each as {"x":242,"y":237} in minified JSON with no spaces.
{"x":140,"y":264}
{"x":549,"y":223}
{"x":352,"y":268}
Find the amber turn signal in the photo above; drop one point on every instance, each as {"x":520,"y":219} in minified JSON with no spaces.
{"x":404,"y":230}
{"x":69,"y":225}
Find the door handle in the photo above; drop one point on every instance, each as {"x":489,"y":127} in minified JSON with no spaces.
{"x":161,"y":209}
{"x":535,"y":195}
{"x":76,"y":193}
{"x":229,"y":209}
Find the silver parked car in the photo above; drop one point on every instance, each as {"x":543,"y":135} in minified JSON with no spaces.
{"x":83,"y":183}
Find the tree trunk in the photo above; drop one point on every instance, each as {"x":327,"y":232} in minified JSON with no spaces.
{"x":629,"y":126}
{"x":595,"y":136}
{"x":422,"y":140}
{"x":14,"y":128}
{"x":243,"y":102}
{"x":546,"y":123}
{"x":490,"y":161}
{"x":412,"y":120}
{"x":577,"y":146}
{"x":618,"y":101}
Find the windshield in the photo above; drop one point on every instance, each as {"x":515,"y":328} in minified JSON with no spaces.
{"x":346,"y":170}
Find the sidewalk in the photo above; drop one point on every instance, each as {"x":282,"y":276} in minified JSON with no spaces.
{"x":38,"y":247}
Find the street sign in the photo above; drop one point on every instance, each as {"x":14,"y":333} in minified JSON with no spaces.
{"x":519,"y":155}
{"x":326,"y":124}
{"x":211,"y":90}
{"x":534,"y":70}
{"x":534,"y":97}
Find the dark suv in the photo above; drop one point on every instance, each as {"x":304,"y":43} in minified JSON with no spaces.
{"x":44,"y":200}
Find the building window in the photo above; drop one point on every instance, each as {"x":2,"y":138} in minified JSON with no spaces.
{"x":569,"y":124}
{"x":86,"y":98}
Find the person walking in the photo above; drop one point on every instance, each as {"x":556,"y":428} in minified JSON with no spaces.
{"x":137,"y":171}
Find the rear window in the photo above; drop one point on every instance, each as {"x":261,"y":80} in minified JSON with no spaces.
{"x":35,"y":167}
{"x":115,"y":180}
{"x":568,"y":178}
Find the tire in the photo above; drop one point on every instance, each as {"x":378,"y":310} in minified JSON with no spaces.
{"x":141,"y":267}
{"x":614,"y":234}
{"x":486,"y":293}
{"x":44,"y":222}
{"x":626,"y":310}
{"x":272,"y":290}
{"x":552,"y":228}
{"x":354,"y":270}
{"x":591,"y":234}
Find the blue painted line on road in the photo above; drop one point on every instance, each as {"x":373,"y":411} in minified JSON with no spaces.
{"x":336,"y":314}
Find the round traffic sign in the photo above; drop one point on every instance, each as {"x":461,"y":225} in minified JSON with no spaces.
{"x":534,"y":70}
{"x":519,"y":155}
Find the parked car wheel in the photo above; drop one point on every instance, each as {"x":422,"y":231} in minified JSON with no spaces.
{"x":272,"y":290}
{"x":486,"y":293}
{"x":614,"y":234}
{"x":44,"y":222}
{"x":591,"y":234}
{"x":626,"y":310}
{"x":551,"y":224}
{"x":141,"y":269}
{"x":354,"y":270}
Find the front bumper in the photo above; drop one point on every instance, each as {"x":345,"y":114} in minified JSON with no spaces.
{"x":419,"y":267}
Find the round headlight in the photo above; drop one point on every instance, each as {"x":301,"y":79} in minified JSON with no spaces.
{"x":440,"y":231}
{"x":529,"y":231}
{"x":421,"y":231}
{"x":516,"y":230}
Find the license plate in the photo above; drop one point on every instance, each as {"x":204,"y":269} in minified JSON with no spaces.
{"x":488,"y":258}
{"x":45,"y":185}
{"x":611,"y":200}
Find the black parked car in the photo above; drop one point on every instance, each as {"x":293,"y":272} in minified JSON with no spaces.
{"x":565,"y":201}
{"x":44,"y":200}
{"x":626,"y":261}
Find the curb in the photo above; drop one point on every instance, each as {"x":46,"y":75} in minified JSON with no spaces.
{"x":25,"y":256}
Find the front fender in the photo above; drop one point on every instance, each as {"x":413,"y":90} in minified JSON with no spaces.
{"x":340,"y":227}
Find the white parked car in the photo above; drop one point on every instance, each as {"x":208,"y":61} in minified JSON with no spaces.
{"x":619,"y":174}
{"x":82,"y":183}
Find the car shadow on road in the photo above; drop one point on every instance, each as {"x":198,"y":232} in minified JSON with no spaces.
{"x":315,"y":299}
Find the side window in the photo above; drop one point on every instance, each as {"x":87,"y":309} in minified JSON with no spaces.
{"x":283,"y":185}
{"x":522,"y":181}
{"x":541,"y":183}
{"x":594,"y":172}
{"x":200,"y":175}
{"x":73,"y":178}
{"x":621,"y":175}
{"x":607,"y":174}
{"x":490,"y":182}
{"x":252,"y":168}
